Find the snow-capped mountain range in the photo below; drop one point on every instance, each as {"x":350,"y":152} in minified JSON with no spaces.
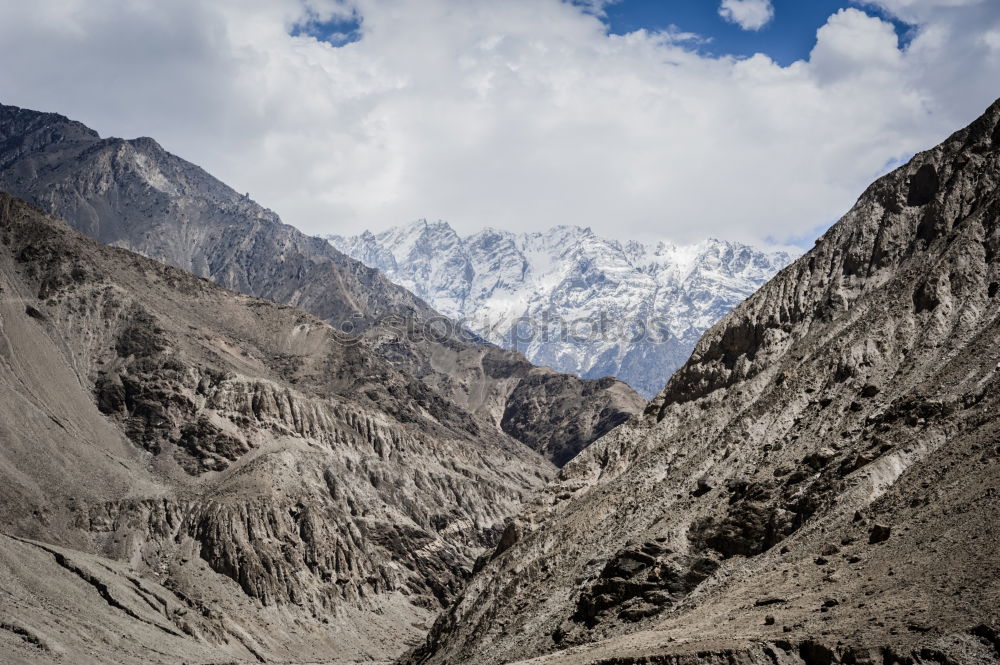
{"x":569,"y":298}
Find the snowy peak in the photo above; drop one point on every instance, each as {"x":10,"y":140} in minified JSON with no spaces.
{"x":569,"y":298}
{"x":365,"y":248}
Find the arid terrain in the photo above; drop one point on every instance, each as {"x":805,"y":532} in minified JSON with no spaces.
{"x":193,"y":474}
{"x":220,"y":472}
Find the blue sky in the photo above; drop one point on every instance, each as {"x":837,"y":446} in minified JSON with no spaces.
{"x":788,"y":37}
{"x":337,"y":31}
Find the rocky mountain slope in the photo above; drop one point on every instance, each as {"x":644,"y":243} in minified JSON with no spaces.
{"x":134,"y":194}
{"x":818,"y":484}
{"x":192,"y":474}
{"x":570,"y":299}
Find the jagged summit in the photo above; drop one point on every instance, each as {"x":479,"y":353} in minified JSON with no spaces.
{"x":18,"y":122}
{"x":665,"y":294}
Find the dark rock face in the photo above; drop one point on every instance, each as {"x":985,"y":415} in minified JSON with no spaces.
{"x":830,"y":444}
{"x":559,"y":400}
{"x":879,"y":534}
{"x":637,"y":584}
{"x":923,"y":186}
{"x":232,"y":453}
{"x":134,"y":194}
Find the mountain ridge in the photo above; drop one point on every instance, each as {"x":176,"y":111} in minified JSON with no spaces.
{"x":134,"y":194}
{"x":568,"y":298}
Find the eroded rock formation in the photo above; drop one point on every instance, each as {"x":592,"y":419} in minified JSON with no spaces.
{"x":237,"y":467}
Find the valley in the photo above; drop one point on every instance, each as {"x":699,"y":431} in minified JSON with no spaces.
{"x":226,"y":441}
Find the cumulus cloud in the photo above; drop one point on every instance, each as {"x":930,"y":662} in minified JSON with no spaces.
{"x":748,"y":14}
{"x":521,"y":115}
{"x":853,"y":44}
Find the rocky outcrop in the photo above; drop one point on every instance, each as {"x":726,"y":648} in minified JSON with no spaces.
{"x":238,"y":459}
{"x":134,"y":194}
{"x":826,"y":462}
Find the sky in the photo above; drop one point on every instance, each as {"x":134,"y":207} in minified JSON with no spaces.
{"x":752,"y":120}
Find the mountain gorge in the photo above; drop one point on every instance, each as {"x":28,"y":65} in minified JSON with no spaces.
{"x":223,"y":441}
{"x":569,"y":299}
{"x":818,"y":484}
{"x":192,"y":472}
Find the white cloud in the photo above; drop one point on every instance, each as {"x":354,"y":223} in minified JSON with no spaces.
{"x":521,"y":114}
{"x":748,"y":14}
{"x":853,"y":44}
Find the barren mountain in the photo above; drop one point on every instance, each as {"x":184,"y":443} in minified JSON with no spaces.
{"x":570,"y":299}
{"x":134,"y":194}
{"x":818,"y":484}
{"x":192,"y":474}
